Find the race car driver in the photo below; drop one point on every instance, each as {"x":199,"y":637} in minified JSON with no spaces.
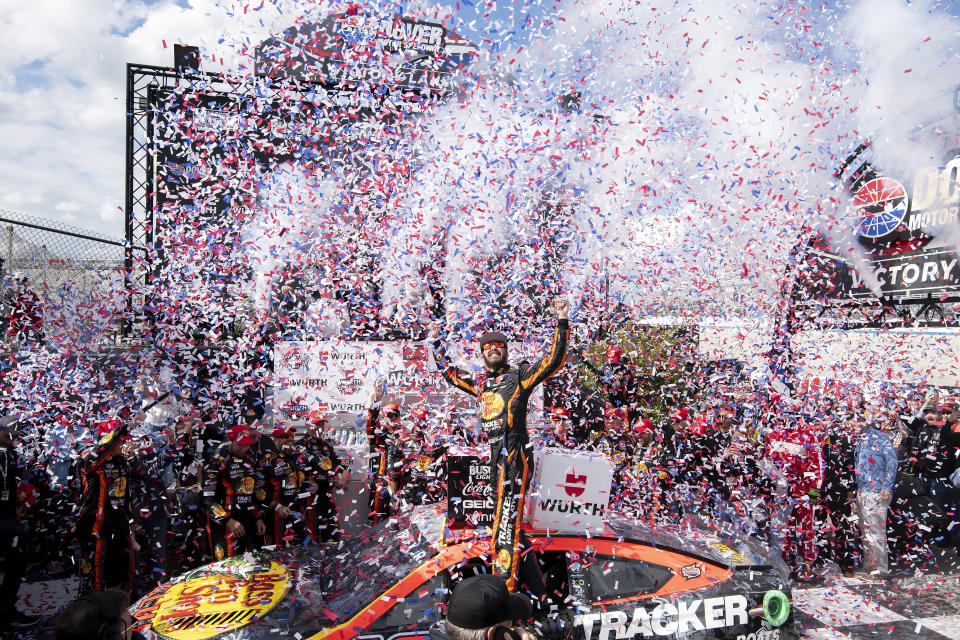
{"x":233,"y":497}
{"x":503,"y":392}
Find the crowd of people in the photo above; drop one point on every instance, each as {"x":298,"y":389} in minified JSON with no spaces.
{"x":827,"y":477}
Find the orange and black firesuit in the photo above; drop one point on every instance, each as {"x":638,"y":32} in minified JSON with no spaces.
{"x":503,"y":395}
{"x":233,"y":489}
{"x":105,"y":514}
{"x":386,"y":460}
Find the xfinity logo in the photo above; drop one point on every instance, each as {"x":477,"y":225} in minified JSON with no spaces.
{"x":668,"y":618}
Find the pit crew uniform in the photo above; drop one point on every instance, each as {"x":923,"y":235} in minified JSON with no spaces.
{"x":323,"y":465}
{"x":503,"y":397}
{"x":105,"y":515}
{"x":386,"y":463}
{"x":797,"y":450}
{"x":287,"y":483}
{"x":232,"y":488}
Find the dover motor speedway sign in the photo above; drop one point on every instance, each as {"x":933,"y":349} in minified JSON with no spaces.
{"x":908,"y":232}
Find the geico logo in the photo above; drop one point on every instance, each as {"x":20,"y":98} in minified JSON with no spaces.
{"x":762,"y":634}
{"x":668,"y":618}
{"x":568,"y":506}
{"x":478,"y":504}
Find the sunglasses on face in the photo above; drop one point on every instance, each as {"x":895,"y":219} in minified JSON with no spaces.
{"x":493,"y":345}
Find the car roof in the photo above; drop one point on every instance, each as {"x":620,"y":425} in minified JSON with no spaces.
{"x":694,"y":537}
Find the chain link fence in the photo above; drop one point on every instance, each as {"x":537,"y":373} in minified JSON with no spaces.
{"x":61,"y":284}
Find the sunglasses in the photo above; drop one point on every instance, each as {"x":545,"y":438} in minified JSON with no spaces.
{"x":493,"y":345}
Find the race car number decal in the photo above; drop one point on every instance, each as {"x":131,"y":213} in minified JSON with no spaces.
{"x":667,"y":618}
{"x":222,"y":600}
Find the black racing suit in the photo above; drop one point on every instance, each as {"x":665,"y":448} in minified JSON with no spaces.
{"x":233,"y":487}
{"x":503,"y":397}
{"x":105,"y":514}
{"x":323,"y":466}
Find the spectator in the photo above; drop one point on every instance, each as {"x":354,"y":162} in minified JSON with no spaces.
{"x":839,"y":491}
{"x":876,"y":473}
{"x":13,"y":535}
{"x":481,"y":608}
{"x":98,"y":615}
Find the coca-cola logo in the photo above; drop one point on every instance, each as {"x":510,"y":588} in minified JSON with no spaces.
{"x":477,"y":489}
{"x":576,"y":485}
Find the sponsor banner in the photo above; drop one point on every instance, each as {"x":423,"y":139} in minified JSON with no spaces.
{"x":676,"y":619}
{"x":570,"y":490}
{"x":470,"y":490}
{"x":915,"y":272}
{"x":338,"y":377}
{"x":214,"y":600}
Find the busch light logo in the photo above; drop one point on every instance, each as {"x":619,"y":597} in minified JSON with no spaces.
{"x":881,"y":205}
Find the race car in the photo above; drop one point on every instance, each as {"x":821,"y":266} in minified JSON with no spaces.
{"x":393,"y":580}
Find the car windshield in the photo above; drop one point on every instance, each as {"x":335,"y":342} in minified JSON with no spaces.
{"x":335,"y":582}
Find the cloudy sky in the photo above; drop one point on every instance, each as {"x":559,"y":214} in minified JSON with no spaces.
{"x":62,"y":88}
{"x":62,"y":72}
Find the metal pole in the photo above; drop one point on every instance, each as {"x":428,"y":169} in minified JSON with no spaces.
{"x":9,"y":248}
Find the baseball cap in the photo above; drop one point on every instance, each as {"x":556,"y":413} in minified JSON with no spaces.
{"x":492,"y":336}
{"x":284,"y":432}
{"x":642,"y":426}
{"x":613,"y":355}
{"x":560,"y":412}
{"x":316,"y":416}
{"x":682,"y":414}
{"x":482,"y":601}
{"x":391,"y":410}
{"x":241,"y":435}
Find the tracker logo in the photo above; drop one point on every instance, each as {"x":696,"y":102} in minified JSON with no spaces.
{"x":575,"y":485}
{"x":881,"y":205}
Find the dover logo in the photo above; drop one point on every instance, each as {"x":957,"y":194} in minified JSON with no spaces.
{"x":295,"y":408}
{"x":210,"y":605}
{"x":881,"y":204}
{"x":293,"y":359}
{"x":575,"y":485}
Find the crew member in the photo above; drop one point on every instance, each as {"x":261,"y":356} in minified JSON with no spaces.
{"x":13,"y":536}
{"x":386,"y":457}
{"x":503,"y":392}
{"x":285,"y":475}
{"x":233,"y":497}
{"x":326,"y":472}
{"x":105,"y":516}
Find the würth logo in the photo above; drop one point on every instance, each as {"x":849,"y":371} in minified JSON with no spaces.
{"x":576,"y":485}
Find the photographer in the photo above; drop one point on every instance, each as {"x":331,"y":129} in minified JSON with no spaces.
{"x":481,"y":608}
